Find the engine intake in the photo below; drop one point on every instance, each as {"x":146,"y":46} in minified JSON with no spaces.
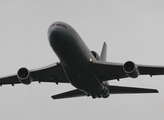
{"x":131,"y":69}
{"x":23,"y":75}
{"x":95,"y":54}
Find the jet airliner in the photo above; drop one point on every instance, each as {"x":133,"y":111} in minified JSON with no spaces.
{"x":88,"y":72}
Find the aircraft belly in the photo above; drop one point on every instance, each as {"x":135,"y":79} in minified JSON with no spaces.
{"x":68,"y":51}
{"x":83,"y":78}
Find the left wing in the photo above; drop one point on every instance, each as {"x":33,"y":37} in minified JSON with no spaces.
{"x":51,"y":73}
{"x":151,"y":70}
{"x":109,"y":71}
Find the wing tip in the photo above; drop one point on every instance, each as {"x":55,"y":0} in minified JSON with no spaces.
{"x":155,"y":91}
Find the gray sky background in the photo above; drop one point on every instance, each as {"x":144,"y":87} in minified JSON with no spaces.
{"x":133,"y":30}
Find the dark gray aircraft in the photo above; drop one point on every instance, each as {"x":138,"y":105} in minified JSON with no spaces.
{"x":88,"y":72}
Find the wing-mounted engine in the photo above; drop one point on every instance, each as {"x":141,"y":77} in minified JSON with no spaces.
{"x":23,"y":75}
{"x":96,"y":55}
{"x":131,"y":69}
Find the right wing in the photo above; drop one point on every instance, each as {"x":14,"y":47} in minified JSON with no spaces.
{"x":51,"y":73}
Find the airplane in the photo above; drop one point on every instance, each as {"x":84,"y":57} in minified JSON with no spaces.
{"x":88,"y":72}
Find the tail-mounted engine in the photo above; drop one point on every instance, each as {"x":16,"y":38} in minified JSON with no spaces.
{"x":23,"y":75}
{"x":95,"y":54}
{"x":131,"y":69}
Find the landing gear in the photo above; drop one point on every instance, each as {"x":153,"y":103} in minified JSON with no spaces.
{"x":104,"y":93}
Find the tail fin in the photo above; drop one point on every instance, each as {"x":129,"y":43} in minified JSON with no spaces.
{"x":103,"y":57}
{"x":103,"y":52}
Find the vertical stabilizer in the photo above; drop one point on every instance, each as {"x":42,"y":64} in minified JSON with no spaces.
{"x":103,"y":52}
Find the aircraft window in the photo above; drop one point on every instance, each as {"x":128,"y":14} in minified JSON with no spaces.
{"x":58,"y":25}
{"x":61,"y":25}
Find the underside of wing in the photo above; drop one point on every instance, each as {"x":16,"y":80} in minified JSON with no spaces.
{"x":12,"y":79}
{"x":51,"y":73}
{"x":151,"y":70}
{"x":107,"y":70}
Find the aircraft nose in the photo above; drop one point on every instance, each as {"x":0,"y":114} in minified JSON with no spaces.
{"x":55,"y":34}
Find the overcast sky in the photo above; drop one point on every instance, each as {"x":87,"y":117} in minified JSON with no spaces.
{"x":133,"y":30}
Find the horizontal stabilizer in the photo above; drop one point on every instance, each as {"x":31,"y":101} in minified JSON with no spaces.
{"x":129,"y":90}
{"x":112,"y":90}
{"x":69,"y":94}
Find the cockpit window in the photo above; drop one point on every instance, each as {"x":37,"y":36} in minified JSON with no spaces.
{"x":61,"y":25}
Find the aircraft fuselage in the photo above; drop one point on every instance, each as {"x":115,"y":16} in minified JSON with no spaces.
{"x":75,"y":58}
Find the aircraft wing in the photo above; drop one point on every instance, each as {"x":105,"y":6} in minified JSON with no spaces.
{"x":51,"y":73}
{"x":151,"y":70}
{"x":109,"y":71}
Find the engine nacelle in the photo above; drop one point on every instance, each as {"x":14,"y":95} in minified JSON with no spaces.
{"x":131,"y":69}
{"x":95,"y":55}
{"x":23,"y":75}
